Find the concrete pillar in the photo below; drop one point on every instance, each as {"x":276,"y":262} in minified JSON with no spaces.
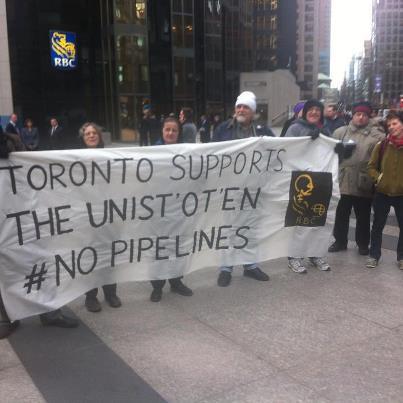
{"x":6,"y":97}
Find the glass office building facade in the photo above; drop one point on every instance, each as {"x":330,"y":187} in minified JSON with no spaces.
{"x":130,"y":53}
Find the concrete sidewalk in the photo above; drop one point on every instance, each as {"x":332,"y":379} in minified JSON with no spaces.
{"x":324,"y":336}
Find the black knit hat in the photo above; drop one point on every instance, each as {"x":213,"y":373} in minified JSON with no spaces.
{"x":310,"y":104}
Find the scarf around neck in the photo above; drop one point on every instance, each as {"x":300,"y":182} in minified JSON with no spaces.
{"x":396,"y":141}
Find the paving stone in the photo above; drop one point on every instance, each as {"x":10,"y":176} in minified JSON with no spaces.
{"x":17,"y":387}
{"x":364,"y":372}
{"x":186,"y":362}
{"x":276,"y":388}
{"x":8,"y":356}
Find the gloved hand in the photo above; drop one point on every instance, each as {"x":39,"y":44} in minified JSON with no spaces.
{"x":339,"y":149}
{"x":349,"y":149}
{"x":315,"y":133}
{"x":4,"y":150}
{"x":344,"y":150}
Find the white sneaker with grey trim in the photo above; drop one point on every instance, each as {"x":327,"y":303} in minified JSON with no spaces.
{"x":371,"y":263}
{"x":320,"y":263}
{"x":296,"y":265}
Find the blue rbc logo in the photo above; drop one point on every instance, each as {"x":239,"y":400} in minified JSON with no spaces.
{"x":63,"y":52}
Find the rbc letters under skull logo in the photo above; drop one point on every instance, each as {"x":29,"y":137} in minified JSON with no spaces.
{"x":310,"y":194}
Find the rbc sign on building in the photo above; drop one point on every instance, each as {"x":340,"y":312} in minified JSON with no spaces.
{"x":63,"y":49}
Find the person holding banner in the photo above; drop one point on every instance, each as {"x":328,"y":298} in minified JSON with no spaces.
{"x":239,"y":127}
{"x":10,"y":143}
{"x":170,"y":135}
{"x":91,"y":137}
{"x":310,"y":124}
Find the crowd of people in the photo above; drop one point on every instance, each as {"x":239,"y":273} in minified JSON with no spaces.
{"x":370,"y":158}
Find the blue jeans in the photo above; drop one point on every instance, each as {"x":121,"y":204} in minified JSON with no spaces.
{"x":229,"y":269}
{"x":381,"y":205}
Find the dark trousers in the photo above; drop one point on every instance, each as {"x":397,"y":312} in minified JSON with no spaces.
{"x":109,"y":291}
{"x":158,"y":284}
{"x":362,"y":210}
{"x":144,"y":139}
{"x":382,"y":205}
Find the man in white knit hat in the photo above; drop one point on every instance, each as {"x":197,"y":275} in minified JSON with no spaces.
{"x":241,"y":126}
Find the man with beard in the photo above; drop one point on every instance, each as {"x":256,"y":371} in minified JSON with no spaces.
{"x":356,"y":186}
{"x":241,"y":126}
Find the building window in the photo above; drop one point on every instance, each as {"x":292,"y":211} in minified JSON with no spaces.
{"x":273,"y":41}
{"x":130,"y":11}
{"x":273,"y":23}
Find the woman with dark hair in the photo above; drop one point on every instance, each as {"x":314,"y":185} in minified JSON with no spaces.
{"x":30,"y":135}
{"x":385,"y":168}
{"x":170,"y":135}
{"x":91,"y":137}
{"x":311,"y":121}
{"x":189,"y":129}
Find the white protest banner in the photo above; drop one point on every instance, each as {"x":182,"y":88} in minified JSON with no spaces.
{"x":74,"y":220}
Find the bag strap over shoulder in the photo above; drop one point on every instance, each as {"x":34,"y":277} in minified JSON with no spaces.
{"x":344,"y":135}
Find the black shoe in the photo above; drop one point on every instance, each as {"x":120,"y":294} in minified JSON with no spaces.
{"x":92,"y":304}
{"x":363,"y":251}
{"x":336,"y":247}
{"x":113,"y":301}
{"x":257,"y":274}
{"x":6,"y":328}
{"x":181,"y":289}
{"x":60,"y":321}
{"x":156,"y":295}
{"x":224,"y":279}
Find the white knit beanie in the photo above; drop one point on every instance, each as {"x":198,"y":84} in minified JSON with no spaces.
{"x":247,"y":98}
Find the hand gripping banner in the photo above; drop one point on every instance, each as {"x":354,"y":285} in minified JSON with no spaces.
{"x":74,"y":220}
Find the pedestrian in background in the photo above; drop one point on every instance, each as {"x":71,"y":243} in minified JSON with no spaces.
{"x":144,"y":128}
{"x":216,"y":121}
{"x":385,"y":168}
{"x":91,"y":137}
{"x":204,"y":129}
{"x":12,"y":125}
{"x":189,"y":129}
{"x":297,"y":114}
{"x":150,"y":127}
{"x":30,"y":135}
{"x":56,"y":140}
{"x":332,"y":120}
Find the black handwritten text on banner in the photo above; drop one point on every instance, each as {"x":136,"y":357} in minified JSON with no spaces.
{"x":74,"y":220}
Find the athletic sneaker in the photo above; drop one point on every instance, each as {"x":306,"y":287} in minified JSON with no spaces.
{"x":320,"y":263}
{"x":400,"y":264}
{"x":371,"y":263}
{"x":296,"y":265}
